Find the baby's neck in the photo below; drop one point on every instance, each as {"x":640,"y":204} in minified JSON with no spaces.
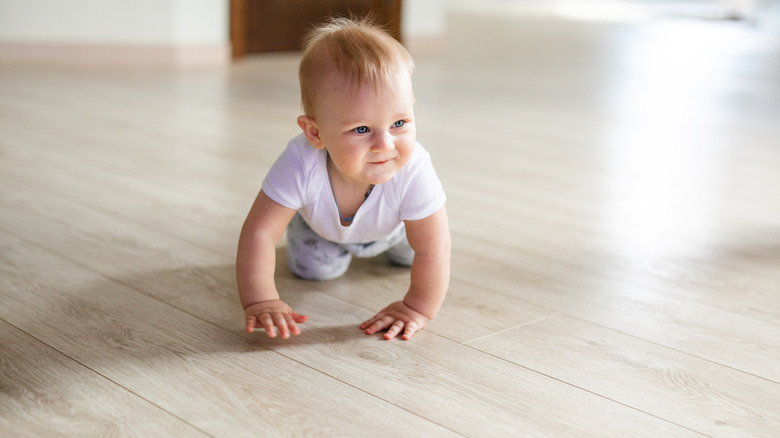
{"x":348,"y":195}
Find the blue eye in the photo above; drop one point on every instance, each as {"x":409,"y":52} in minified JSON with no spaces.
{"x":361,"y":129}
{"x":399,"y":124}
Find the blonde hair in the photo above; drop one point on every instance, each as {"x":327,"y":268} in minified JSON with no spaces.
{"x":357,"y":50}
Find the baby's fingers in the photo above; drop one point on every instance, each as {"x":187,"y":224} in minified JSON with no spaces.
{"x":268,"y":324}
{"x":297,"y":317}
{"x":291,"y":320}
{"x":394,"y":330}
{"x":282,"y":323}
{"x":411,"y":328}
{"x":251,"y":323}
{"x":408,"y":329}
{"x":378,"y":324}
{"x":370,"y":321}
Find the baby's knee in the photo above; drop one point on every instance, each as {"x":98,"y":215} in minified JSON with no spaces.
{"x":401,"y":254}
{"x":311,"y":257}
{"x":318,"y":267}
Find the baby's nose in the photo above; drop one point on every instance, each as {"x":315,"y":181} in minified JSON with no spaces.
{"x":384,"y":142}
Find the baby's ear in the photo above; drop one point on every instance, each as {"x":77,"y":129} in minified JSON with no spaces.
{"x":311,"y":131}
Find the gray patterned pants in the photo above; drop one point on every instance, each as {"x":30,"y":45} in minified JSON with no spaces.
{"x":311,"y":257}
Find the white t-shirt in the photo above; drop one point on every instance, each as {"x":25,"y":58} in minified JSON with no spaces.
{"x":299,"y":180}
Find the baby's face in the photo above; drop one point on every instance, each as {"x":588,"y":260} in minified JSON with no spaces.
{"x":369,"y":134}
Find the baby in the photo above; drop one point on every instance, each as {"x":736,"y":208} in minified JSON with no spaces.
{"x":354,"y":182}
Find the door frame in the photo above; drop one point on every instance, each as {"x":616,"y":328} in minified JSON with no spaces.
{"x":239,"y":31}
{"x":238,"y":27}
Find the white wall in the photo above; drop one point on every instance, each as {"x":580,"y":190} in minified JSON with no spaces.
{"x":202,"y":21}
{"x":423,"y":18}
{"x":116,"y":22}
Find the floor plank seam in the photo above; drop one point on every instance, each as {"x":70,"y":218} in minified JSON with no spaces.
{"x":537,"y":320}
{"x":596,"y":322}
{"x":96,"y":272}
{"x":334,"y":378}
{"x":106,"y":378}
{"x":578,"y":268}
{"x":587,"y":390}
{"x":416,"y":414}
{"x":667,"y":347}
{"x":96,"y":208}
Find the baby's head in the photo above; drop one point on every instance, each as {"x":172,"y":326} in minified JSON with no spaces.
{"x":358,"y":101}
{"x":352,"y":51}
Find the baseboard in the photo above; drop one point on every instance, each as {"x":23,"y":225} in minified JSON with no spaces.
{"x":99,"y":55}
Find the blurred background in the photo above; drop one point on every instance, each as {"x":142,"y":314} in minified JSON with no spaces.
{"x":211,"y":32}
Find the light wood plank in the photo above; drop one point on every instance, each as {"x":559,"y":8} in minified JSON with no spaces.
{"x":738,"y":258}
{"x":129,"y":197}
{"x":128,"y":253}
{"x":175,"y":139}
{"x":46,"y":393}
{"x":692,"y":392}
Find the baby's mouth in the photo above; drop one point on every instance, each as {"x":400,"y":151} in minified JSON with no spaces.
{"x":381,"y":161}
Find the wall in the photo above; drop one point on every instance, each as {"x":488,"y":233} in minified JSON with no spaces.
{"x":423,"y":24}
{"x":178,"y":32}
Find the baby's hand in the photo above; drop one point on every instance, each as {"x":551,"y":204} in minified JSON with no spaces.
{"x":268,"y":314}
{"x":396,"y":317}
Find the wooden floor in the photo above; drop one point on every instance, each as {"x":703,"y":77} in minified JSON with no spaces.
{"x":614,"y":204}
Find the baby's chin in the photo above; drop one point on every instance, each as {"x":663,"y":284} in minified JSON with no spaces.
{"x":379,"y":180}
{"x":383,"y":176}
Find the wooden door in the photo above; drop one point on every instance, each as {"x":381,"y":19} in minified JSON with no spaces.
{"x":279,"y":25}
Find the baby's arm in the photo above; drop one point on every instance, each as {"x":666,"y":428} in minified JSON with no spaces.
{"x":430,"y":277}
{"x":255,"y":265}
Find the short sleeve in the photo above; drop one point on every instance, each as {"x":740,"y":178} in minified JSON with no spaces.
{"x":422,"y":194}
{"x":285,"y":182}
